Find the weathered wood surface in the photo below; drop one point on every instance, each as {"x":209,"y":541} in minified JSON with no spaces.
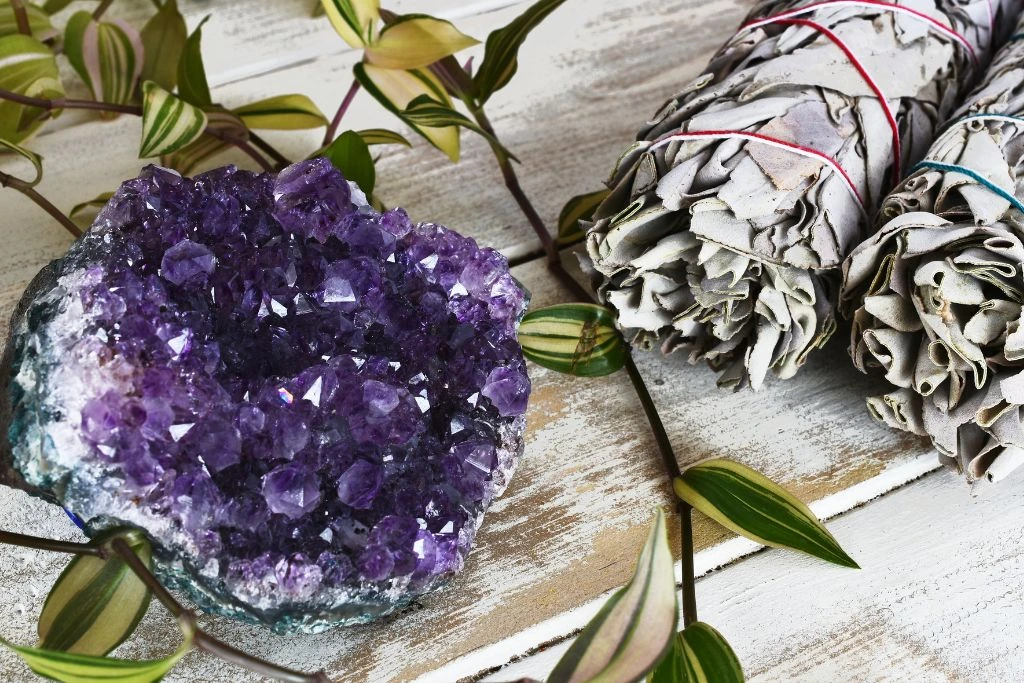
{"x":569,"y":526}
{"x":937,"y":599}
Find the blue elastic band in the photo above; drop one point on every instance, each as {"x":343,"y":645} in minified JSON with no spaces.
{"x":76,"y":519}
{"x":974,"y":175}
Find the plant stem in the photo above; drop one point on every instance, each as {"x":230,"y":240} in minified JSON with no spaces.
{"x":103,"y":6}
{"x":241,"y":144}
{"x":203,"y":640}
{"x":280,"y":159}
{"x":21,"y":17}
{"x":332,"y":129}
{"x":64,"y":103}
{"x":53,"y":545}
{"x":44,"y":203}
{"x":668,"y":457}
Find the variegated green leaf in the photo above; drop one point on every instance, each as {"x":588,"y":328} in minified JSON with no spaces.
{"x":634,"y":629}
{"x":577,"y":339}
{"x":396,"y":89}
{"x":192,"y":85}
{"x":415,"y":41}
{"x":168,"y":123}
{"x":579,"y":208}
{"x":163,"y":38}
{"x":351,"y":156}
{"x":97,"y":203}
{"x":754,"y":506}
{"x":699,"y":655}
{"x":189,"y":157}
{"x":382,"y":136}
{"x":107,"y":56}
{"x":424,"y":111}
{"x":28,"y":67}
{"x":74,"y":668}
{"x":502,"y":48}
{"x":38,"y":21}
{"x":97,"y":602}
{"x":284,"y":112}
{"x":354,"y":20}
{"x":32,"y":157}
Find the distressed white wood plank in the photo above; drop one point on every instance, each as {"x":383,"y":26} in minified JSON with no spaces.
{"x":938,"y":598}
{"x":569,"y":526}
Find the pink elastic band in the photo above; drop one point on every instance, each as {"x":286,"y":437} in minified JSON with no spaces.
{"x":876,"y":4}
{"x":771,"y":142}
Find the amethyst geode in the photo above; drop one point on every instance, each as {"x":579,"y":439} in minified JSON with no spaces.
{"x":307,"y":404}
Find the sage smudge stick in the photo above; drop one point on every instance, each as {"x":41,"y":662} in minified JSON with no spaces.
{"x":937,"y":292}
{"x":730,"y":216}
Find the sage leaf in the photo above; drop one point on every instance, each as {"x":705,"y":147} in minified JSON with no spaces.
{"x":75,"y":668}
{"x":96,"y":602}
{"x":579,"y":208}
{"x":415,"y":41}
{"x":502,"y":48}
{"x":97,"y":203}
{"x":192,"y":85}
{"x":38,"y":21}
{"x":699,"y":654}
{"x":168,"y":123}
{"x":107,"y":56}
{"x":396,"y":89}
{"x":283,"y":112}
{"x":28,"y":67}
{"x":754,"y":506}
{"x":163,"y":39}
{"x":634,"y":629}
{"x":350,"y":155}
{"x":354,"y":20}
{"x":382,"y":136}
{"x":576,"y":339}
{"x":32,"y":157}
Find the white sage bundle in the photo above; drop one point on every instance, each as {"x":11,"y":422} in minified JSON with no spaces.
{"x":938,"y":290}
{"x":728,"y":220}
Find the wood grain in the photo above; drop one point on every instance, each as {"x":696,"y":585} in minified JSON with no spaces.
{"x":938,"y":598}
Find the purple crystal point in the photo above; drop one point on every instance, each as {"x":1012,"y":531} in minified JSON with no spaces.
{"x":308,"y":405}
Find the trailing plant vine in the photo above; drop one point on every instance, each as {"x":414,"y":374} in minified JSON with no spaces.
{"x":409,"y":66}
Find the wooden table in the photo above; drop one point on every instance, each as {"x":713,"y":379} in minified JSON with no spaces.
{"x":939,"y":597}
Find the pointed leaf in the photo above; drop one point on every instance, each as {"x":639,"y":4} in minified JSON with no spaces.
{"x":192,"y":85}
{"x":96,"y":603}
{"x":168,"y":123}
{"x":284,"y":112}
{"x":38,"y":21}
{"x":54,"y":6}
{"x":163,"y":38}
{"x":351,"y":156}
{"x":634,"y":629}
{"x":354,"y":20}
{"x":579,"y":208}
{"x":502,"y":47}
{"x":699,"y":655}
{"x":428,"y":113}
{"x":107,"y":56}
{"x":382,"y":136}
{"x":74,"y":668}
{"x":577,"y":339}
{"x":416,"y":41}
{"x":97,"y":203}
{"x":396,"y":89}
{"x":754,"y":506}
{"x":27,"y":67}
{"x":33,"y":158}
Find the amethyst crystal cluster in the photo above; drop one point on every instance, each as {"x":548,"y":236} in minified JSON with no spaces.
{"x":307,"y":404}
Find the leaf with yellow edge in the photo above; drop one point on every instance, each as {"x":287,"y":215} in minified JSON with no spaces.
{"x":752,"y":505}
{"x":396,"y":89}
{"x":415,"y":41}
{"x":354,"y":20}
{"x":283,"y":112}
{"x":38,"y":21}
{"x":382,"y":136}
{"x":168,"y":123}
{"x":699,"y":654}
{"x":28,"y":67}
